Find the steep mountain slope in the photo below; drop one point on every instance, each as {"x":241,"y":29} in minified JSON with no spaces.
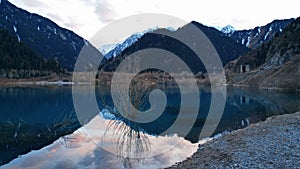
{"x":112,"y":50}
{"x":253,"y":38}
{"x":274,"y":64}
{"x":42,"y":35}
{"x":118,"y":48}
{"x":226,"y":47}
{"x":19,"y":61}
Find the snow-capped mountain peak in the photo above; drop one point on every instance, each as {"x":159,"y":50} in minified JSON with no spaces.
{"x":228,"y":29}
{"x":112,"y":50}
{"x":107,"y":48}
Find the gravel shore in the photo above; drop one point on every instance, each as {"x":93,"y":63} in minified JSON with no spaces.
{"x":274,"y":143}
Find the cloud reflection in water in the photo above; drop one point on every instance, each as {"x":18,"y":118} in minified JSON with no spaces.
{"x":79,"y":150}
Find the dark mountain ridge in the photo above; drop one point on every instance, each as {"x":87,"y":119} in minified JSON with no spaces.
{"x":253,"y":38}
{"x":41,"y":34}
{"x":226,"y":47}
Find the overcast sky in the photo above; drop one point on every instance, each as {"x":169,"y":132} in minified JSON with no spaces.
{"x":86,"y":17}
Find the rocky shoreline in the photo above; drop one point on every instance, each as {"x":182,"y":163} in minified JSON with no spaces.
{"x":273,"y":143}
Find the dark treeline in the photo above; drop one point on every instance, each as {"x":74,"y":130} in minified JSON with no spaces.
{"x":19,"y":61}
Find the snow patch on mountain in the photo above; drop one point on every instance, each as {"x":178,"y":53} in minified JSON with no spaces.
{"x":125,"y":44}
{"x":243,"y":41}
{"x":228,"y":29}
{"x":62,"y":36}
{"x":74,"y":45}
{"x":112,"y":50}
{"x":266,"y":36}
{"x":253,"y":38}
{"x":105,"y":49}
{"x":15,"y":29}
{"x":248,"y":41}
{"x":171,"y":29}
{"x":19,"y":39}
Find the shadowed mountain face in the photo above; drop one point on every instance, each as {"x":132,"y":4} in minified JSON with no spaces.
{"x":253,"y":38}
{"x":40,"y":34}
{"x":274,"y":64}
{"x":19,"y":61}
{"x":227,"y":48}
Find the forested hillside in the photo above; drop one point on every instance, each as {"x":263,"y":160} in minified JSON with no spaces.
{"x":19,"y":61}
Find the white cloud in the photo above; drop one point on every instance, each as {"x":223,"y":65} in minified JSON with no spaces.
{"x":86,"y":17}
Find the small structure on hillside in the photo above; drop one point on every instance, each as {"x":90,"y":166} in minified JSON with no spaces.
{"x":244,"y":68}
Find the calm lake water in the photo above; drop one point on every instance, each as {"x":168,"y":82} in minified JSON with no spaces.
{"x":39,"y":128}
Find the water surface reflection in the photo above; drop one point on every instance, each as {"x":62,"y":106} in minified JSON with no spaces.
{"x":79,"y":150}
{"x":34,"y":117}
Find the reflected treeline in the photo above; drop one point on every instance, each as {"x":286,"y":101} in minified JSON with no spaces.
{"x":20,"y":138}
{"x":32,"y":118}
{"x":243,"y":107}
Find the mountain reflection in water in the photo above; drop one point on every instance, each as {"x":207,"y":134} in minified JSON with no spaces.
{"x":34,"y":117}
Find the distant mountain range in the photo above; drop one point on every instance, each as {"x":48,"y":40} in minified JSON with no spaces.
{"x":227,"y":48}
{"x":273,"y":64}
{"x":52,"y":42}
{"x":253,"y":38}
{"x":112,"y":50}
